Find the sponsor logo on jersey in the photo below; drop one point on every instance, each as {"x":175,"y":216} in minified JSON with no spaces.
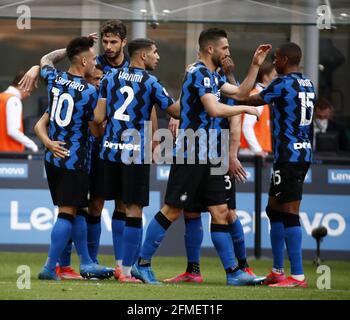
{"x":122,"y":146}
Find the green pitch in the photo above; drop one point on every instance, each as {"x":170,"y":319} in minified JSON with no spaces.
{"x":213,"y":288}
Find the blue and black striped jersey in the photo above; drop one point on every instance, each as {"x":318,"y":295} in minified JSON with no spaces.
{"x":71,"y":104}
{"x":221,"y":123}
{"x":292,"y":98}
{"x":130,"y":94}
{"x":107,"y":67}
{"x":198,"y":81}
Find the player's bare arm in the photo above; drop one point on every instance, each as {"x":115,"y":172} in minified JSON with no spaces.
{"x":55,"y":147}
{"x":53,"y":57}
{"x":236,"y":169}
{"x":217,"y":109}
{"x":242,"y":92}
{"x":174,"y":110}
{"x":100,"y":111}
{"x":254,"y":100}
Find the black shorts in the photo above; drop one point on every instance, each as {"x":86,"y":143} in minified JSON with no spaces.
{"x":129,"y":183}
{"x":230,"y":194}
{"x":67,"y":187}
{"x":193,"y":186}
{"x":287,"y":181}
{"x":96,"y":175}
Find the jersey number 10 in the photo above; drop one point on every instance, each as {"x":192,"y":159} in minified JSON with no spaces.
{"x":57,"y":103}
{"x":307,"y":107}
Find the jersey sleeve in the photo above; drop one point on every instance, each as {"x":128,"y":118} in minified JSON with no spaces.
{"x":48,"y":73}
{"x":273,"y":91}
{"x":161,"y":96}
{"x":202,"y":81}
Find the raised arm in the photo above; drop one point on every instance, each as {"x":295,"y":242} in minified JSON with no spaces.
{"x":53,"y":57}
{"x":254,"y":100}
{"x":242,"y":92}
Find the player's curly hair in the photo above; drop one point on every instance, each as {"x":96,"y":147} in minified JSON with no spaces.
{"x":78,"y":45}
{"x":115,"y":27}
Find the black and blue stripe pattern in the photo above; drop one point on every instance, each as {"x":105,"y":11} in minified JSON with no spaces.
{"x":292,"y":98}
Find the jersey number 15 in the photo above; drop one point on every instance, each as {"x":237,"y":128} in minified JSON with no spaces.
{"x":307,"y":107}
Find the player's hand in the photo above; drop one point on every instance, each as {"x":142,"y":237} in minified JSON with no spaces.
{"x":228,"y":66}
{"x":236,"y":170}
{"x":30,"y":80}
{"x":261,"y":53}
{"x":56,"y":148}
{"x":174,"y":126}
{"x":253,"y":111}
{"x":94,"y":36}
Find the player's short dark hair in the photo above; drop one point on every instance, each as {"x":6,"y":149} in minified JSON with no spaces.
{"x":292,"y":51}
{"x":323,"y":103}
{"x":18,"y":76}
{"x":210,"y":35}
{"x":139,"y":44}
{"x":115,"y":27}
{"x":99,"y":67}
{"x":265,"y":69}
{"x":78,"y":45}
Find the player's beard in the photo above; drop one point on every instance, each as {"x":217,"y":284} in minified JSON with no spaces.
{"x":216,"y":61}
{"x":116,"y":54}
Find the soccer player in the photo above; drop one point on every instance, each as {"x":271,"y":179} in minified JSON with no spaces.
{"x":192,"y":217}
{"x":126,"y":99}
{"x":193,"y":185}
{"x":71,"y":101}
{"x":292,"y":98}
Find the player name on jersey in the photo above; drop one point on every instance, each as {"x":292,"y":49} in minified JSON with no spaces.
{"x":130,"y":76}
{"x":70,"y":83}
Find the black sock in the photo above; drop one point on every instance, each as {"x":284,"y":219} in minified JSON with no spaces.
{"x":143,"y":262}
{"x":242,"y":263}
{"x":232,"y":270}
{"x":193,"y":267}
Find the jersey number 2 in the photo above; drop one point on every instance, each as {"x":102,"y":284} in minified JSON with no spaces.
{"x":307,"y":104}
{"x":57,"y":104}
{"x":119,"y":113}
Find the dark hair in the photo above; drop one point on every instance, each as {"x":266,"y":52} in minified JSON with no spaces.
{"x":78,"y":45}
{"x":99,"y":67}
{"x":265,"y":69}
{"x":292,"y":51}
{"x":138,"y":44}
{"x":209,"y":36}
{"x":322,"y":104}
{"x":115,"y":27}
{"x":19,"y":75}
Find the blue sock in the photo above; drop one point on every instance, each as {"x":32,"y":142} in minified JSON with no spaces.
{"x":93,"y":235}
{"x":277,"y":237}
{"x":193,"y":239}
{"x":293,"y":239}
{"x":65,"y":258}
{"x":154,"y":235}
{"x":237,"y":234}
{"x":60,"y":234}
{"x":131,"y":240}
{"x":118,"y":224}
{"x":139,"y":246}
{"x":79,"y":235}
{"x":223,"y":244}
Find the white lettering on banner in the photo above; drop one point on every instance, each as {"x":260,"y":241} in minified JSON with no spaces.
{"x":42,"y":219}
{"x":12,"y":171}
{"x":245,"y":219}
{"x":14,"y":222}
{"x":340,"y":176}
{"x":105,"y":217}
